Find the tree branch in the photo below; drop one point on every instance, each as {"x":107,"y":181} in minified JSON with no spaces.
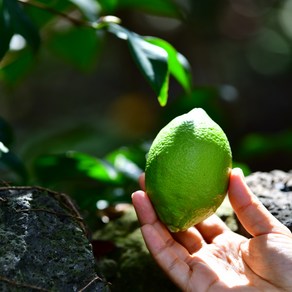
{"x":75,"y":21}
{"x":99,"y":24}
{"x":22,"y":285}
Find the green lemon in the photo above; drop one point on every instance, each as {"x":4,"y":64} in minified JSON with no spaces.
{"x":187,"y":170}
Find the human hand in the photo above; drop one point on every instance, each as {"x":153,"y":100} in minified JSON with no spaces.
{"x":210,"y":257}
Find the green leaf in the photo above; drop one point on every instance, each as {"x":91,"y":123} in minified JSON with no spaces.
{"x":76,"y":167}
{"x":256,"y":144}
{"x":6,"y":31}
{"x":152,"y":60}
{"x":11,"y":167}
{"x":41,"y":17}
{"x":178,"y":65}
{"x":79,"y":46}
{"x":159,"y":7}
{"x":18,"y":22}
{"x":6,"y":134}
{"x":109,"y":6}
{"x":129,"y":161}
{"x":17,"y":66}
{"x":3,"y":149}
{"x":90,"y":8}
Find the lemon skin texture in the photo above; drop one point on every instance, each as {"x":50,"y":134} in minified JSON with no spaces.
{"x":187,"y":170}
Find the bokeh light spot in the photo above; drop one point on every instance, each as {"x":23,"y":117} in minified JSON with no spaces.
{"x":269,"y":53}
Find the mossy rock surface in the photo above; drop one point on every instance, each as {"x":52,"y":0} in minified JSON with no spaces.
{"x":130,"y":267}
{"x":43,"y":244}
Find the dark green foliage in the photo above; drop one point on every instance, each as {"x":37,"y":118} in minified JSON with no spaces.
{"x":14,"y":20}
{"x":156,"y":59}
{"x":79,"y":45}
{"x":85,"y":45}
{"x":6,"y":133}
{"x":160,"y":7}
{"x":11,"y":167}
{"x":90,"y":179}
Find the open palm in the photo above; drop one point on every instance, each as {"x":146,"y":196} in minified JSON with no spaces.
{"x":210,"y":257}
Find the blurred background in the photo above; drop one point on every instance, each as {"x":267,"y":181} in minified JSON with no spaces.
{"x":81,"y":98}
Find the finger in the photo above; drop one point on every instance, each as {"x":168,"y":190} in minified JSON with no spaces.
{"x":191,"y":239}
{"x":142,"y":181}
{"x":165,"y":254}
{"x":211,"y":227}
{"x":147,"y":216}
{"x":184,"y":272}
{"x":252,"y":214}
{"x":169,"y":254}
{"x":143,"y":207}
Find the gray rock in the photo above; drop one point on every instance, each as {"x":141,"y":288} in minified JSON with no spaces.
{"x":274,"y":190}
{"x":43,"y":244}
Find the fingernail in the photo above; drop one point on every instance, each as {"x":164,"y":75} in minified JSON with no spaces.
{"x":137,"y":193}
{"x":240,"y":172}
{"x":244,"y":246}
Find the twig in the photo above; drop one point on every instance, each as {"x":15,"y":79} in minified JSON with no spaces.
{"x":4,"y":183}
{"x":92,"y":281}
{"x":100,"y":23}
{"x":62,"y":199}
{"x":51,"y":10}
{"x":4,"y":200}
{"x":18,"y":284}
{"x":49,"y":211}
